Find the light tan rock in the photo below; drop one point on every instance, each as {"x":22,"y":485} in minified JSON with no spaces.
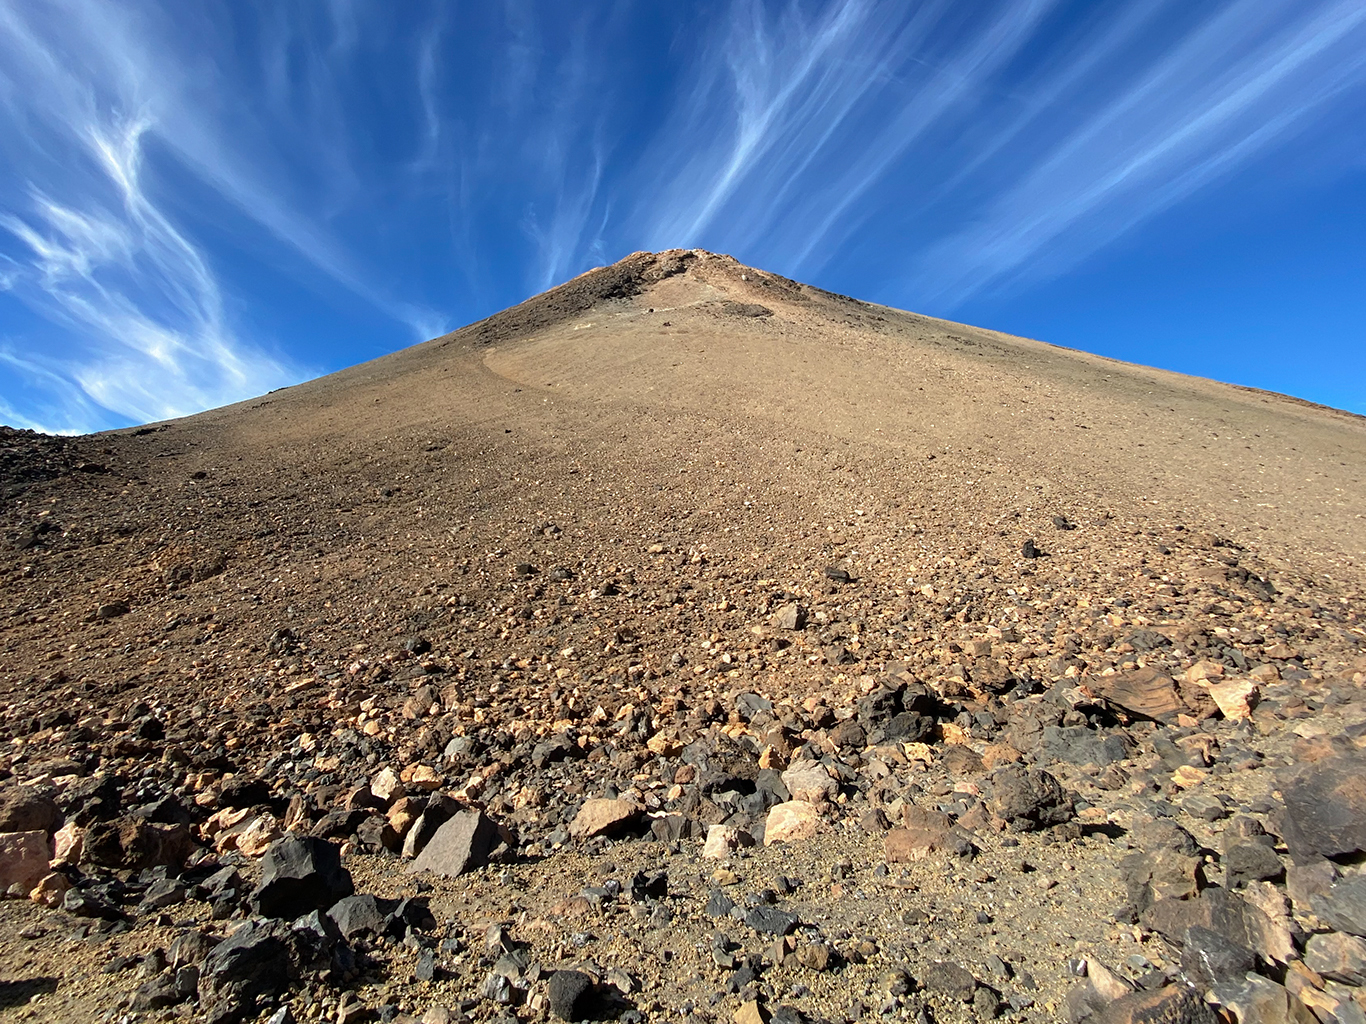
{"x":599,"y":816}
{"x":750,"y":1013}
{"x":810,"y":781}
{"x":1108,"y":984}
{"x":50,"y":889}
{"x":67,"y":844}
{"x":402,"y":814}
{"x":387,"y":786}
{"x":1204,"y":670}
{"x":1236,"y":697}
{"x":722,"y":840}
{"x":24,"y":858}
{"x":664,"y":745}
{"x":258,"y":835}
{"x":426,"y":778}
{"x":791,"y":822}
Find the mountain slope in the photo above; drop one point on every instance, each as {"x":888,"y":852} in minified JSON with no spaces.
{"x":671,"y":526}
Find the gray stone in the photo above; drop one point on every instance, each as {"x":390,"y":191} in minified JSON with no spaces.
{"x":1208,"y":957}
{"x":361,"y":914}
{"x":1174,"y":1004}
{"x":250,"y":963}
{"x":299,"y":875}
{"x":25,"y":809}
{"x":1028,"y":798}
{"x":771,"y":921}
{"x":1251,"y":862}
{"x":949,"y":979}
{"x":1343,"y":905}
{"x":1325,"y":807}
{"x":567,"y":992}
{"x":462,"y":844}
{"x":1338,"y":956}
{"x":1253,"y":999}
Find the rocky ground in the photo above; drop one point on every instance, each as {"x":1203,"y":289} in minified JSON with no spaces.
{"x":455,"y":688}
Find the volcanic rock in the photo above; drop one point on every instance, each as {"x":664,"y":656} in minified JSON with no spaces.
{"x":299,"y":875}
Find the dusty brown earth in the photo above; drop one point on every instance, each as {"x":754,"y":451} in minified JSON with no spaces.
{"x":668,"y":534}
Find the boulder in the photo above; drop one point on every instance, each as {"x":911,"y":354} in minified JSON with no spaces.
{"x":462,"y":844}
{"x":1174,"y":1004}
{"x":601,"y":816}
{"x":567,"y":992}
{"x":810,"y":781}
{"x":1028,"y":799}
{"x":1325,"y":808}
{"x":791,"y":822}
{"x":1143,"y":692}
{"x":1342,"y":905}
{"x":251,"y":963}
{"x":299,"y":874}
{"x":25,"y":809}
{"x":24,"y":858}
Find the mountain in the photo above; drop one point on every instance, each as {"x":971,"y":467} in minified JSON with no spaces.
{"x":1029,"y":649}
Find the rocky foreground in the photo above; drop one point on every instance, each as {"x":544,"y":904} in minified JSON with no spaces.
{"x":1090,"y":766}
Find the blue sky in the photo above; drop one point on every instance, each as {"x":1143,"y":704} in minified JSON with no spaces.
{"x":200,"y":202}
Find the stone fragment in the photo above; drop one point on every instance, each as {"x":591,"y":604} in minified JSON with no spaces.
{"x":439,"y":810}
{"x":300,"y":874}
{"x":251,"y":963}
{"x":1251,"y":862}
{"x":1174,"y":1004}
{"x":1028,"y":798}
{"x":134,"y":844}
{"x":946,"y":978}
{"x":1342,"y":905}
{"x":790,"y":616}
{"x":258,"y":835}
{"x":751,"y":1012}
{"x":1208,"y":957}
{"x":167,"y":989}
{"x":361,"y":914}
{"x":1325,"y":807}
{"x":791,"y":822}
{"x":567,"y":993}
{"x":1160,"y":874}
{"x":1305,"y":880}
{"x":25,"y":809}
{"x":1273,"y":933}
{"x":1236,"y":697}
{"x":1253,"y":999}
{"x":386,"y":786}
{"x":810,"y":781}
{"x":67,"y":845}
{"x":1144,"y":693}
{"x":816,"y":956}
{"x":1338,"y":956}
{"x":723,"y":839}
{"x":462,"y":844}
{"x":926,"y":833}
{"x":190,"y":947}
{"x":50,"y":890}
{"x":24,"y":858}
{"x":771,"y":920}
{"x":426,"y":779}
{"x":601,"y":816}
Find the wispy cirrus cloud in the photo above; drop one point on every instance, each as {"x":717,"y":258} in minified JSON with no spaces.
{"x":1235,"y":87}
{"x":200,"y":202}
{"x":1047,"y":134}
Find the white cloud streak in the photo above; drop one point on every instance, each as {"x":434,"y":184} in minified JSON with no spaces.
{"x":957,"y":148}
{"x":1215,"y":103}
{"x":879,"y":112}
